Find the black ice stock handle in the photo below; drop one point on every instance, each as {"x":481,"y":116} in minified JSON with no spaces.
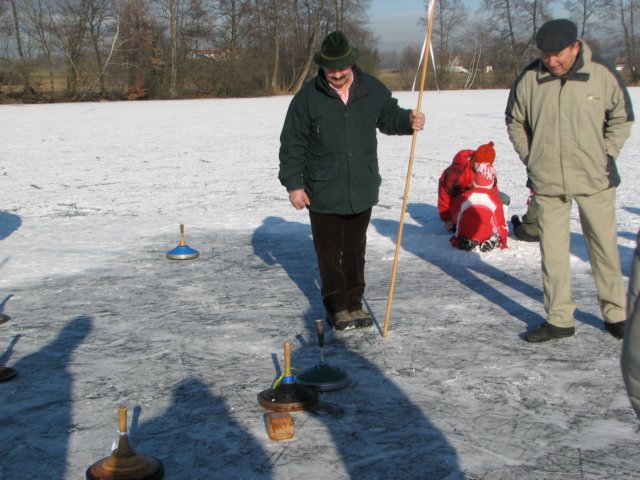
{"x":320,"y":331}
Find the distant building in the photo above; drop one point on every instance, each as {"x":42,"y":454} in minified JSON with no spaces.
{"x":621,"y":63}
{"x":456,"y":67}
{"x":208,"y":54}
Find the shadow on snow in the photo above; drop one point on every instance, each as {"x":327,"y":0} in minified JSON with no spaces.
{"x":36,"y":407}
{"x":392,"y":437}
{"x":9,"y":223}
{"x":429,"y":241}
{"x":199,"y":428}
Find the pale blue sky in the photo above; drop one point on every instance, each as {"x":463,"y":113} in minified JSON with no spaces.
{"x":396,"y":22}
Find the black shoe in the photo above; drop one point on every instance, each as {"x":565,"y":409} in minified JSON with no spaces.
{"x":524,"y":236}
{"x":362,"y":318}
{"x":616,"y":330}
{"x":546,"y":332}
{"x":342,"y":320}
{"x":350,"y":320}
{"x":330,"y":319}
{"x":518,"y":231}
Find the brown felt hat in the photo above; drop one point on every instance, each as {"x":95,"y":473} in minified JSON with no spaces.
{"x":336,"y":52}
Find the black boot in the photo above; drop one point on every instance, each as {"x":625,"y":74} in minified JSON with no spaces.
{"x":342,"y":320}
{"x":546,"y":332}
{"x":524,"y":236}
{"x":518,"y":231}
{"x":362,"y":318}
{"x":616,"y":330}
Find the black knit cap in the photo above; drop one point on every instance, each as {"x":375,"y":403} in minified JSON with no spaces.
{"x":556,"y":35}
{"x":336,"y":52}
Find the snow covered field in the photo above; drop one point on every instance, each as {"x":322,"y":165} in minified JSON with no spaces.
{"x":92,"y":195}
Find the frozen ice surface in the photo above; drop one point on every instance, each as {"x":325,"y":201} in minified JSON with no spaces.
{"x":92,"y":198}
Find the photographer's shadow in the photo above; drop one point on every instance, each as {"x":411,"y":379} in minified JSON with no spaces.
{"x":37,"y":409}
{"x":219,"y":446}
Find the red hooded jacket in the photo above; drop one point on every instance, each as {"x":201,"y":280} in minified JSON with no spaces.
{"x":478,"y":213}
{"x":455,"y":179}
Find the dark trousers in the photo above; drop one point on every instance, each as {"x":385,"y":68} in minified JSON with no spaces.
{"x":340,"y":242}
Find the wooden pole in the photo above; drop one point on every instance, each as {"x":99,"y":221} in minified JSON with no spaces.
{"x":425,"y":62}
{"x":182,"y":243}
{"x":122,"y":419}
{"x":287,"y":360}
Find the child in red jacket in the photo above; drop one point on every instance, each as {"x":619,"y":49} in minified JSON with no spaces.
{"x":479,"y":214}
{"x":458,"y":178}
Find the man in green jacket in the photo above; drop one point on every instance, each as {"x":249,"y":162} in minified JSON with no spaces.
{"x":329,"y":164}
{"x":568,"y":116}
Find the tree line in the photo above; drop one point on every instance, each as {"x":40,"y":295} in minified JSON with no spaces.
{"x":499,"y":38}
{"x":132,"y":49}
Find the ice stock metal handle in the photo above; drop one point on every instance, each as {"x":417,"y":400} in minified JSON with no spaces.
{"x":320,"y":331}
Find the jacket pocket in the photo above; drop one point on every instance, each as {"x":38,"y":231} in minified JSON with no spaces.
{"x":374,"y":170}
{"x":612,"y":172}
{"x":321,"y":174}
{"x":315,"y":132}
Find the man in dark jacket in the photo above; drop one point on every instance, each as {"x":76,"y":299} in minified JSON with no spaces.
{"x":568,"y":116}
{"x":329,"y":164}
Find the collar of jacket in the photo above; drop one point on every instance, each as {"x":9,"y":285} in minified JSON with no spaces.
{"x":574,"y":72}
{"x":357,"y":90}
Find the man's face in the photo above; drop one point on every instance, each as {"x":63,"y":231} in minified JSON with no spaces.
{"x":559,"y":63}
{"x":339,"y":77}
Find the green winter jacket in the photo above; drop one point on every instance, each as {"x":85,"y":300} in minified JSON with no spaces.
{"x":569,"y":130}
{"x":330,"y":149}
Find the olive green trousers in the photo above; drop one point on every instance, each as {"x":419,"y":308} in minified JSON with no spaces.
{"x":598,"y":220}
{"x":630,"y":360}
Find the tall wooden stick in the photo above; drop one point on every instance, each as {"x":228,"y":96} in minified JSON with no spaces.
{"x":425,"y":62}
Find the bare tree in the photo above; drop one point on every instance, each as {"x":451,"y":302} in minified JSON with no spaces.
{"x":408,"y":64}
{"x":71,"y":35}
{"x":138,"y":54}
{"x":24,"y":67}
{"x":339,"y":9}
{"x":351,"y":17}
{"x":450,"y":16}
{"x":534,"y":13}
{"x":627,"y":10}
{"x":276,"y":46}
{"x":230,"y":12}
{"x":41,"y":25}
{"x":141,"y":48}
{"x":311,"y":47}
{"x":584,"y":11}
{"x":99,"y":13}
{"x":173,"y":48}
{"x":506,"y":15}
